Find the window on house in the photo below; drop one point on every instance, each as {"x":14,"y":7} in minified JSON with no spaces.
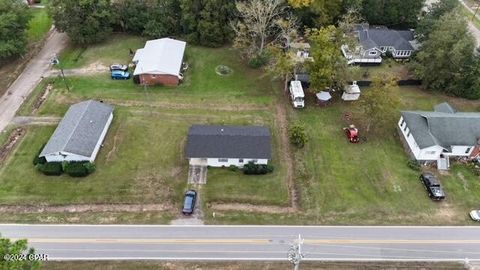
{"x":223,"y":160}
{"x":403,"y":122}
{"x":468,"y":150}
{"x":153,"y":76}
{"x":408,"y":133}
{"x":240,"y":160}
{"x":405,"y":128}
{"x":372,"y":53}
{"x":254,"y":160}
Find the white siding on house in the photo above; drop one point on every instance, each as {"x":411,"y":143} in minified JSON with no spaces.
{"x":458,"y":150}
{"x":430,"y":153}
{"x":65,"y":156}
{"x":227,"y":162}
{"x":102,"y":138}
{"x":409,"y":138}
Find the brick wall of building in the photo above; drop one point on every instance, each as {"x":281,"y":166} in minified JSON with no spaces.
{"x":150,"y":79}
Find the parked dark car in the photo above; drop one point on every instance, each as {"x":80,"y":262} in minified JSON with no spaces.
{"x":189,"y":202}
{"x":118,"y":67}
{"x":433,"y":187}
{"x":120,"y":75}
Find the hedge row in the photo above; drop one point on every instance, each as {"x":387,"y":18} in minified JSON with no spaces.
{"x":253,"y":169}
{"x":74,"y":169}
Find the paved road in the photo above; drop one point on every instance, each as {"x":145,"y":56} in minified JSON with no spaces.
{"x":102,"y":242}
{"x":30,"y":77}
{"x":471,"y":26}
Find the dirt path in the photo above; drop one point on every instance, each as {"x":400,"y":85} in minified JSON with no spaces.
{"x":286,"y":151}
{"x":35,"y":120}
{"x":12,"y":141}
{"x":269,"y":209}
{"x":30,"y":77}
{"x":82,"y":208}
{"x":91,"y":69}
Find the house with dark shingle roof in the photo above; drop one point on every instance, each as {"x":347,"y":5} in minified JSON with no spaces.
{"x":441,"y":134}
{"x":375,"y":41}
{"x":223,"y":146}
{"x":80,"y":133}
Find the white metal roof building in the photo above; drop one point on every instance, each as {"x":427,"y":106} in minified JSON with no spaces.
{"x":160,"y":56}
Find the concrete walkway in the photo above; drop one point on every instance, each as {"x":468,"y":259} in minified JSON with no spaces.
{"x":30,"y":77}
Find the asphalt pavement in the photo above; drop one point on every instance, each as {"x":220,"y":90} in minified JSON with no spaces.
{"x":321,"y":243}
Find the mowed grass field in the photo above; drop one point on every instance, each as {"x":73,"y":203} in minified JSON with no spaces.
{"x":142,"y":160}
{"x":370,"y":182}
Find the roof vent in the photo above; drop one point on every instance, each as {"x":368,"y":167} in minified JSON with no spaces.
{"x":221,"y":130}
{"x":91,"y":121}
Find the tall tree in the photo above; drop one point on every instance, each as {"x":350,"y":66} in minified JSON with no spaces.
{"x":379,"y":104}
{"x":14,"y":17}
{"x":393,"y":13}
{"x":10,"y":253}
{"x":213,"y":27}
{"x":163,"y":18}
{"x":435,"y":11}
{"x":328,"y":68}
{"x":256,"y":24}
{"x":446,"y":60}
{"x":324,"y":12}
{"x":85,"y":21}
{"x":132,"y":15}
{"x":206,"y":22}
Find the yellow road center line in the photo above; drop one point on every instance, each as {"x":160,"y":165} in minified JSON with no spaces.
{"x":148,"y":241}
{"x":245,"y":241}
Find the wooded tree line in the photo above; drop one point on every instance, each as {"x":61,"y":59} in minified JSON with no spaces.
{"x":203,"y":22}
{"x":207,"y":22}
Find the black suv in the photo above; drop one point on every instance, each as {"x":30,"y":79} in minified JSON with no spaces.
{"x":432,"y":186}
{"x":189,"y":202}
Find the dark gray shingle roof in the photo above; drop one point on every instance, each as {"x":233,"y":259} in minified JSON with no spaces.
{"x":382,"y":37}
{"x":443,"y":127}
{"x":211,"y":141}
{"x":80,"y":129}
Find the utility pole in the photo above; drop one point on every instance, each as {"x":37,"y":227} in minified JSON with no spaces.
{"x":295,"y":253}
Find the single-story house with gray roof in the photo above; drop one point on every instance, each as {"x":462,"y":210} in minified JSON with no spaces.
{"x":223,"y":146}
{"x":377,"y":40}
{"x":80,"y":133}
{"x":441,"y":134}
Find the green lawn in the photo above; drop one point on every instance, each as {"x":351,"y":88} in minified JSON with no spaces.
{"x":388,"y":66}
{"x":366,"y":183}
{"x":115,"y":49}
{"x":142,"y":161}
{"x":39,"y":25}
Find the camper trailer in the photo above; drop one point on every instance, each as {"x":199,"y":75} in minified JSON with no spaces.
{"x":296,"y":94}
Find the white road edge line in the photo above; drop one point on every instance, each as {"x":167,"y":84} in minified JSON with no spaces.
{"x":256,"y":259}
{"x":242,"y":226}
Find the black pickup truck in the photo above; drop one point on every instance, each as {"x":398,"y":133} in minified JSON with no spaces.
{"x":433,"y":187}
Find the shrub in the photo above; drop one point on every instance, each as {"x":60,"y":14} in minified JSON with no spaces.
{"x":79,"y":169}
{"x":414,"y":165}
{"x":50,"y":168}
{"x":37,"y":159}
{"x":233,"y":168}
{"x":257,"y":169}
{"x":258,"y":61}
{"x":298,"y":137}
